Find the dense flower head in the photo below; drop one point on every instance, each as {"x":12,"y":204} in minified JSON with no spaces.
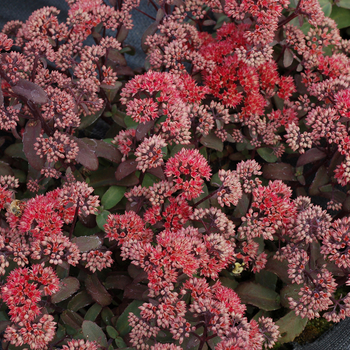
{"x":40,"y":23}
{"x":269,"y":330}
{"x":152,"y":95}
{"x":314,"y":296}
{"x":36,"y":334}
{"x":230,"y":192}
{"x":215,"y":221}
{"x":174,"y":215}
{"x":128,"y":226}
{"x":210,"y":115}
{"x":335,"y":244}
{"x":149,"y":154}
{"x":160,"y":191}
{"x":18,"y":248}
{"x":9,"y":117}
{"x":5,"y":42}
{"x":266,"y":13}
{"x":62,"y":108}
{"x":80,"y":344}
{"x":39,"y":218}
{"x":56,"y":147}
{"x":297,"y":262}
{"x":57,"y":247}
{"x":311,"y":224}
{"x":248,"y":172}
{"x":75,"y":195}
{"x":342,"y":172}
{"x":97,"y":260}
{"x":187,"y":168}
{"x":6,"y":191}
{"x":141,"y":331}
{"x":10,"y":60}
{"x":160,"y":346}
{"x":275,"y":211}
{"x":342,"y":102}
{"x":221,"y":255}
{"x":21,"y":291}
{"x":185,"y":248}
{"x":124,"y":141}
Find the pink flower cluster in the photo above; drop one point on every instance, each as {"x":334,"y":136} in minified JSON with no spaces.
{"x":35,"y":232}
{"x":22,"y":294}
{"x":180,"y":249}
{"x":204,"y":97}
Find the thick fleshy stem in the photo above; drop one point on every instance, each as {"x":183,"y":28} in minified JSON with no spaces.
{"x":295,"y":14}
{"x":74,"y":220}
{"x":206,"y":197}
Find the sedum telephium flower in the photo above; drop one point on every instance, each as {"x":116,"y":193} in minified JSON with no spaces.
{"x":35,"y":230}
{"x":22,"y":292}
{"x":80,"y":344}
{"x":224,"y":97}
{"x":36,"y":334}
{"x":187,"y":169}
{"x":183,"y":250}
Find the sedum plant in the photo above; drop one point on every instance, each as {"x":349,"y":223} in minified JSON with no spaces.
{"x":200,"y":201}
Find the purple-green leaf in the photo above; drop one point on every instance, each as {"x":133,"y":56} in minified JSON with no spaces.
{"x":280,"y":268}
{"x":257,"y":295}
{"x":16,"y":151}
{"x":267,"y":154}
{"x":107,"y":315}
{"x":287,"y":58}
{"x":31,"y":132}
{"x":30,"y":91}
{"x":228,"y":282}
{"x":93,"y":332}
{"x":321,"y":179}
{"x":124,"y":70}
{"x":79,"y":301}
{"x":341,"y":15}
{"x":126,"y":168}
{"x":103,"y":177}
{"x":279,"y":171}
{"x":90,"y":119}
{"x":111,"y":90}
{"x":290,"y":326}
{"x":242,"y":206}
{"x":103,"y":149}
{"x":136,"y":291}
{"x":266,"y":278}
{"x":68,"y":286}
{"x":117,"y":280}
{"x":143,"y":129}
{"x":115,"y":58}
{"x":101,"y":219}
{"x":86,"y":243}
{"x":93,"y":312}
{"x":5,"y":169}
{"x":72,"y":319}
{"x":96,"y":289}
{"x":290,"y":290}
{"x":158,"y":172}
{"x":86,"y":156}
{"x":212,"y":141}
{"x":310,"y":156}
{"x":112,"y":332}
